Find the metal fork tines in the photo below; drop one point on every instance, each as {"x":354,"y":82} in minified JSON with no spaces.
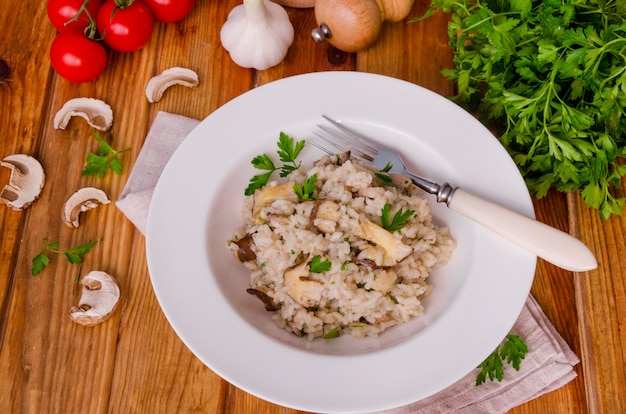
{"x":340,"y":138}
{"x":343,"y":138}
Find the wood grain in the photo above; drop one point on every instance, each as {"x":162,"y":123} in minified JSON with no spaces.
{"x":601,"y":300}
{"x":135,"y":362}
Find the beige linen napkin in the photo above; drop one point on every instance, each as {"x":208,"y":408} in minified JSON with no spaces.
{"x":167,"y":132}
{"x":548,"y":364}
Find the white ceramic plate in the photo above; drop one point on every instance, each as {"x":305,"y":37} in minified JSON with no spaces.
{"x":201,"y":286}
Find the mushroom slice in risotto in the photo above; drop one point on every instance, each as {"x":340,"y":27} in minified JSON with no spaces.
{"x":267,"y":300}
{"x":325,"y":215}
{"x":394,"y":248}
{"x":270,"y":193}
{"x":306,"y":293}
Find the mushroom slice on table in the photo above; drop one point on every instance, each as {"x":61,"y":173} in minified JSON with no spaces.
{"x":158,"y":84}
{"x":99,"y":297}
{"x":25,"y":183}
{"x":98,"y":113}
{"x":86,"y":198}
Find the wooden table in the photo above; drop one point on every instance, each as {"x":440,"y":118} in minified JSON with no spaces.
{"x":134,"y":362}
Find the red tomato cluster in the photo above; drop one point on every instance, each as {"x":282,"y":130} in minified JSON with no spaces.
{"x":78,"y":53}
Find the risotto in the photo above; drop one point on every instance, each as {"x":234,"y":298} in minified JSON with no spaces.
{"x":352,"y":257}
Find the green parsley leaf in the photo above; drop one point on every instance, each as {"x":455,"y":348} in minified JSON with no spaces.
{"x":306,"y":190}
{"x":105,"y":158}
{"x":74,"y":255}
{"x":492,"y":367}
{"x":288,"y":151}
{"x":385,"y":178}
{"x":398,"y":221}
{"x":263,"y":162}
{"x":513,"y":350}
{"x":260,"y":162}
{"x":39,"y":262}
{"x":318,"y":266}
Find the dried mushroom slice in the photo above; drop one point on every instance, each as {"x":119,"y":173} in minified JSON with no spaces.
{"x":85,"y":199}
{"x":245,"y":248}
{"x":25,"y":183}
{"x":157,"y":86}
{"x":96,"y":112}
{"x":267,"y":300}
{"x":99,"y":297}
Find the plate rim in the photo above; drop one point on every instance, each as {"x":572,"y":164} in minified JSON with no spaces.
{"x":173,"y":316}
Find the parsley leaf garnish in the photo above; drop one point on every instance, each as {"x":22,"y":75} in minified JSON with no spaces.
{"x":318,"y":266}
{"x":306,"y":190}
{"x":260,"y":162}
{"x":288,"y":151}
{"x":383,"y":175}
{"x":103,"y":159}
{"x":74,"y":255}
{"x":398,"y":221}
{"x":513,"y":350}
{"x":492,"y":367}
{"x":385,"y":178}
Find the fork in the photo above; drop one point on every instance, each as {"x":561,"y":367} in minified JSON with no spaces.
{"x":546,"y":242}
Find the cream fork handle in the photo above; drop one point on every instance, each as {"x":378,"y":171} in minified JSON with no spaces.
{"x":549,"y":243}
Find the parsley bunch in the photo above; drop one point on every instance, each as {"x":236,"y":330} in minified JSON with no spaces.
{"x":552,"y":75}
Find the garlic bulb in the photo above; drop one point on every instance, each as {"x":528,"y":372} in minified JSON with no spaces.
{"x":257,"y":34}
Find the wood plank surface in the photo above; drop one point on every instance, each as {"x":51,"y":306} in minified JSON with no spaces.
{"x":135,"y":363}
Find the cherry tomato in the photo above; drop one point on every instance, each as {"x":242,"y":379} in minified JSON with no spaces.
{"x":76,"y":57}
{"x":62,"y":11}
{"x":170,"y":11}
{"x":125,"y":25}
